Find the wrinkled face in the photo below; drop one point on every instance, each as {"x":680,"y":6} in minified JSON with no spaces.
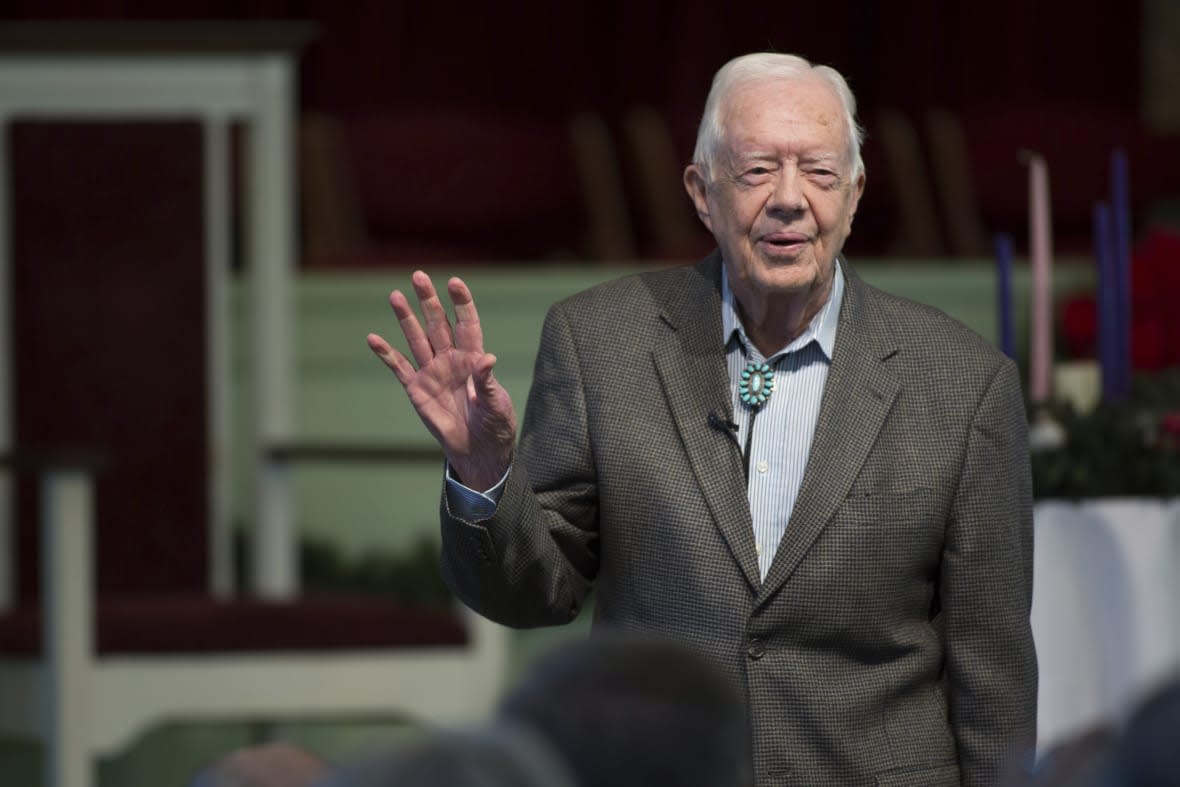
{"x":780,"y":194}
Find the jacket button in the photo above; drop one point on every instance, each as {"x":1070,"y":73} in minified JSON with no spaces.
{"x":755,"y":650}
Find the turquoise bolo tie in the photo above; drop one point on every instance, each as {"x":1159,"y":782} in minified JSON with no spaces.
{"x":757,"y":384}
{"x":755,"y":387}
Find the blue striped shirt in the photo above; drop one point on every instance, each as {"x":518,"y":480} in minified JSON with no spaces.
{"x":785,"y":424}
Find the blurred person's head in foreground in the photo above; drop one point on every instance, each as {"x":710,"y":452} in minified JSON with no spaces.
{"x":626,"y":709}
{"x":1077,"y":761}
{"x":1144,"y":753}
{"x":1147,"y":753}
{"x":503,"y":755}
{"x":275,"y":764}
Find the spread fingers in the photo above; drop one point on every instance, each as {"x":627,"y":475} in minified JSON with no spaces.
{"x":397,"y":362}
{"x":468,"y":332}
{"x":438,"y":327}
{"x":415,"y":337}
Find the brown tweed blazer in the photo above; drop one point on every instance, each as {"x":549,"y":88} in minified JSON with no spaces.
{"x":890,"y":642}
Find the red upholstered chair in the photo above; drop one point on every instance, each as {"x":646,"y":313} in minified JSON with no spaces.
{"x":110,"y":332}
{"x":907,"y":179}
{"x":655,"y":162}
{"x":413,"y":186}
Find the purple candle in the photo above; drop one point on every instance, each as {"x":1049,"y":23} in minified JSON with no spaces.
{"x":1004,"y":326}
{"x":1120,"y":203}
{"x":1105,"y":302}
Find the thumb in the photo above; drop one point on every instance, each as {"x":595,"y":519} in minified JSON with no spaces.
{"x":483,"y":372}
{"x":481,"y":375}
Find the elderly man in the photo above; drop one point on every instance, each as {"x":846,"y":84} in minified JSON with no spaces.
{"x":823,"y":487}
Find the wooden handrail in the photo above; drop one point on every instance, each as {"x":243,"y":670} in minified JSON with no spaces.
{"x":355,"y":452}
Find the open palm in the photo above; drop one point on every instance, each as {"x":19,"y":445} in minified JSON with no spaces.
{"x":452,"y":387}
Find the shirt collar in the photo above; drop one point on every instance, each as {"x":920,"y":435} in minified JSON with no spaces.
{"x":821,"y":329}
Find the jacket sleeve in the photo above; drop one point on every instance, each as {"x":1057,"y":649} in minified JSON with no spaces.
{"x":986,"y":587}
{"x":532,"y":563}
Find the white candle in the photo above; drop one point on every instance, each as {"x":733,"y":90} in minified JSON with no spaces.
{"x":1040,"y":235}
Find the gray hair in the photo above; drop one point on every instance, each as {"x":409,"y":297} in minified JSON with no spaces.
{"x":766,"y":67}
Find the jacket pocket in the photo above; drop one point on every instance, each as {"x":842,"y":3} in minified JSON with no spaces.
{"x":946,"y":775}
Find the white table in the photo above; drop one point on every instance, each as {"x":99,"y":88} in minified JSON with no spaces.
{"x":1106,"y":608}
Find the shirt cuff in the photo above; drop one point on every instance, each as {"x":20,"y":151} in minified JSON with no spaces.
{"x":469,"y":505}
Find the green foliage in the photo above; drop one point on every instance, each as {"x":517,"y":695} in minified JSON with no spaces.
{"x":410,"y":576}
{"x":1120,"y":449}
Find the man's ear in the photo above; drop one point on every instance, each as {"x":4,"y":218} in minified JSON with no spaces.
{"x":696,"y":185}
{"x":858,"y":189}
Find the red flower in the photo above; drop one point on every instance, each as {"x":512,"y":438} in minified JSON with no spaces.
{"x":1155,"y":301}
{"x":1079,"y":327}
{"x":1155,"y":307}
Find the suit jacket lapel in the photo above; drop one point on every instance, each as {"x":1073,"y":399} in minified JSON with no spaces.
{"x":858,"y":395}
{"x":690,"y":361}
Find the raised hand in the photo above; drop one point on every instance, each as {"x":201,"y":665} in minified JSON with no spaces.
{"x":452,"y":388}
